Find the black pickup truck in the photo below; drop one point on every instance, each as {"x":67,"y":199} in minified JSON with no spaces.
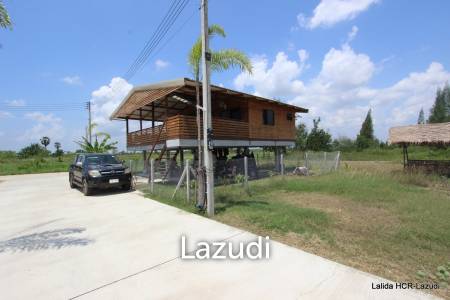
{"x":91,"y":170}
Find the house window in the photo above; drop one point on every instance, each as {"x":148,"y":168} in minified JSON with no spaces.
{"x":289,"y":116}
{"x":232,"y":113}
{"x":268,"y":117}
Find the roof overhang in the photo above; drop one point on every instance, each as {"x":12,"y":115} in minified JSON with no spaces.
{"x":145,"y":102}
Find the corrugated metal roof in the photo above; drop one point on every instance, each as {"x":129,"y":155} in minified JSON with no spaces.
{"x":143,"y":95}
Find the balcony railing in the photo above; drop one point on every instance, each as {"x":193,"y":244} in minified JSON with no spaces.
{"x":185,"y":127}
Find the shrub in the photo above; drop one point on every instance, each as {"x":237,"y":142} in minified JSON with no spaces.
{"x":33,"y":150}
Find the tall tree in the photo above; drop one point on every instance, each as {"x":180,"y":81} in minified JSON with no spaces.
{"x":59,"y":152}
{"x":318,"y":139}
{"x":365,"y":138}
{"x":301,"y":135}
{"x":45,"y":140}
{"x":440,"y":110}
{"x":421,"y":119}
{"x":5,"y":21}
{"x":220,"y":60}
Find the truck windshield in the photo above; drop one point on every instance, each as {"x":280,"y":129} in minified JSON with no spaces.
{"x":102,"y":160}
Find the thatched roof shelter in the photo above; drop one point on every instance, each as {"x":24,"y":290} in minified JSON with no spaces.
{"x":422,"y":134}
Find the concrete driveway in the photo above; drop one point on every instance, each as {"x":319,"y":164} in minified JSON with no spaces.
{"x":57,"y":244}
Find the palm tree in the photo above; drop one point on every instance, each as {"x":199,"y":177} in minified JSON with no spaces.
{"x":221,"y":60}
{"x":5,"y":21}
{"x":97,"y":146}
{"x":45,"y":140}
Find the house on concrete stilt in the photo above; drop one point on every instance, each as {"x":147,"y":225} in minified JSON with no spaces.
{"x":239,"y":120}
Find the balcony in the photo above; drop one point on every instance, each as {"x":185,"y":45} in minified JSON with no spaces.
{"x":184,"y":127}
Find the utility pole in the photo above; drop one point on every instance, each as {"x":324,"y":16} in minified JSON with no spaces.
{"x":207,"y":124}
{"x":88,"y":106}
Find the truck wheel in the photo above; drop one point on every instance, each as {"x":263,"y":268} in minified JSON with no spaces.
{"x":72,"y":184}
{"x":86,"y":190}
{"x":126,"y":187}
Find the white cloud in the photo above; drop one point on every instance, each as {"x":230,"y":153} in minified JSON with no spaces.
{"x":161,"y":64}
{"x":16,"y":103}
{"x":45,"y":125}
{"x":330,"y":12}
{"x":5,"y":114}
{"x":344,"y":67}
{"x":104,"y":101}
{"x":107,"y":98}
{"x":278,"y":80}
{"x":72,"y":80}
{"x":352,"y":34}
{"x":341,"y":94}
{"x":43,"y":118}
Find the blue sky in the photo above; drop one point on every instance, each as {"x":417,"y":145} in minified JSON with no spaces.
{"x":338,"y":58}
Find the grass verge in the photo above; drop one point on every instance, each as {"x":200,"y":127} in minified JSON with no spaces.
{"x":368,"y":215}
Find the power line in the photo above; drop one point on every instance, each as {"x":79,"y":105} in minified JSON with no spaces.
{"x":174,"y":11}
{"x":147,"y":44}
{"x":169,"y":19}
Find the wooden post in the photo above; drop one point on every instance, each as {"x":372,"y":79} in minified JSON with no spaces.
{"x":282,"y":164}
{"x":126,"y":119}
{"x":144,"y":157}
{"x":140,"y":119}
{"x":405,"y":156}
{"x":153,"y":117}
{"x":188,"y":181}
{"x":180,"y":150}
{"x":152,"y":175}
{"x":246,"y":172}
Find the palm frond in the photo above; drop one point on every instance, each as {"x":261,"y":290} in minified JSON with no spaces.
{"x":216,"y":30}
{"x":5,"y":21}
{"x":194,"y":58}
{"x":195,"y":54}
{"x":224,"y":59}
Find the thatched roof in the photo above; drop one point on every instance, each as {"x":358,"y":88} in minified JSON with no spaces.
{"x":422,"y":134}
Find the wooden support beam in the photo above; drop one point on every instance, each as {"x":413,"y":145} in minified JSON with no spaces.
{"x":153,"y":117}
{"x":140,"y":119}
{"x":181,"y":155}
{"x":126,"y":120}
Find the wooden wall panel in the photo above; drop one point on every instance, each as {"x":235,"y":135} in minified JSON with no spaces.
{"x":283,"y":128}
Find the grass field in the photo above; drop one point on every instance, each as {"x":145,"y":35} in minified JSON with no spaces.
{"x":368,"y":215}
{"x":11,"y":165}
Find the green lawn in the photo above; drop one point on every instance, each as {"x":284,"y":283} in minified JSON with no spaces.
{"x":369,"y":215}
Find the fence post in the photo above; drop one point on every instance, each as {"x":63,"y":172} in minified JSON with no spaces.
{"x":337,"y":160}
{"x":188,"y":181}
{"x":282,"y":164}
{"x":152,"y":175}
{"x":246,"y":172}
{"x":306,"y":160}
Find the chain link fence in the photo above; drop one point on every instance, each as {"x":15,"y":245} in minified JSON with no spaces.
{"x":173,"y":177}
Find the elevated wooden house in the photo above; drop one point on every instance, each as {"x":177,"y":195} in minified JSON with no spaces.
{"x":239,"y":120}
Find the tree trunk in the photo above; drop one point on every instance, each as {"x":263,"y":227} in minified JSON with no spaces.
{"x":200,"y":170}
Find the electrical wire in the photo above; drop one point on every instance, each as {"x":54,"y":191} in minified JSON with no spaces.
{"x":171,"y":16}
